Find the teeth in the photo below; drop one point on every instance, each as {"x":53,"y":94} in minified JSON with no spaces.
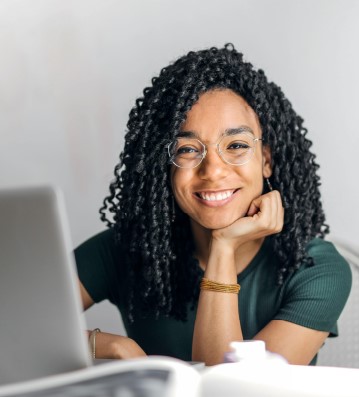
{"x":216,"y":196}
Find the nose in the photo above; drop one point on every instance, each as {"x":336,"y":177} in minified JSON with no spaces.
{"x":213,"y":167}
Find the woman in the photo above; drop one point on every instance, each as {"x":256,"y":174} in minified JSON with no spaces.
{"x":216,"y":190}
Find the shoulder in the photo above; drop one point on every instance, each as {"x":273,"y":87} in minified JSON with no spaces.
{"x":319,"y":247}
{"x":104,"y":239}
{"x":329,"y":271}
{"x":316,"y":293}
{"x":100,"y":248}
{"x":329,"y":263}
{"x":98,"y":260}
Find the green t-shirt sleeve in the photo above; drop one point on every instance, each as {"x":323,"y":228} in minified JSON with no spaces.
{"x":96,"y":265}
{"x":315,"y":295}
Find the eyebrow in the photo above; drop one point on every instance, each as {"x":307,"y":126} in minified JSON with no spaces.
{"x":228,"y":131}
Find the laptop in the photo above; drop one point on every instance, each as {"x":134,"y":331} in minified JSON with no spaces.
{"x":40,"y":309}
{"x":43,"y":344}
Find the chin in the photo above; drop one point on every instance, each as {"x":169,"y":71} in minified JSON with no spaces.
{"x":213,"y":224}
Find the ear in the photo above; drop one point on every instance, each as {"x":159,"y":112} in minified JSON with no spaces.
{"x":267,"y":161}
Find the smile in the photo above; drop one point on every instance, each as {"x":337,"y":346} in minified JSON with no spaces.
{"x":216,"y":198}
{"x":210,"y":196}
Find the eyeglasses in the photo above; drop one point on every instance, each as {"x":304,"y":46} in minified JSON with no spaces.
{"x":234,"y":149}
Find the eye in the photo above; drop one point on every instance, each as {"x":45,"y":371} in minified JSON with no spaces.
{"x":186,"y":150}
{"x":238,"y":146}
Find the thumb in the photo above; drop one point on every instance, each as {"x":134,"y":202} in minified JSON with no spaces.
{"x":254,"y":207}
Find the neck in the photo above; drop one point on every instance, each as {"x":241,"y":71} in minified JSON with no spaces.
{"x":202,"y":239}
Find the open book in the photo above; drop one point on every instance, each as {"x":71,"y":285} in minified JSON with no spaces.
{"x":167,"y":377}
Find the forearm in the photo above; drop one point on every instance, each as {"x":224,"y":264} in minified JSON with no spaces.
{"x":217,"y":320}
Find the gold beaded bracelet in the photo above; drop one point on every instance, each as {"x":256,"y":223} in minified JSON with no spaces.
{"x":92,"y":342}
{"x":219,"y":287}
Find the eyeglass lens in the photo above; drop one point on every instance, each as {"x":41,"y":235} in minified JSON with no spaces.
{"x":234,"y":149}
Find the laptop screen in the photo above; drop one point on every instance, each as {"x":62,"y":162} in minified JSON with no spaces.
{"x":41,"y":327}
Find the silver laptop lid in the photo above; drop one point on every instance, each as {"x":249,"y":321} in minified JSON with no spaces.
{"x":41,"y":325}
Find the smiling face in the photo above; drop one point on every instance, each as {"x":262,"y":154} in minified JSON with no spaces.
{"x":215,"y":194}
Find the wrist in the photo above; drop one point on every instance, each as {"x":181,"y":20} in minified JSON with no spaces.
{"x":227,"y":246}
{"x":92,"y":341}
{"x":221,"y":265}
{"x":222,"y":253}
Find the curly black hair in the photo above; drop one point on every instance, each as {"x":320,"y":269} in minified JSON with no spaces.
{"x":159,"y":248}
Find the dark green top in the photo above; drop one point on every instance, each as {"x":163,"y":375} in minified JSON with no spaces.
{"x":313,"y":296}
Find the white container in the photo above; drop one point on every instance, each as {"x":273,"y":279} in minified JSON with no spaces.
{"x":251,"y":351}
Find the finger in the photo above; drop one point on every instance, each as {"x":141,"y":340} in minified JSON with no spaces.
{"x":263,"y":204}
{"x":253,"y":209}
{"x":270,"y":211}
{"x":258,"y":204}
{"x":280,"y":212}
{"x":273,"y":211}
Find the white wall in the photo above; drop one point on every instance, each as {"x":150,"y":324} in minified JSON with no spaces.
{"x":70,"y":71}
